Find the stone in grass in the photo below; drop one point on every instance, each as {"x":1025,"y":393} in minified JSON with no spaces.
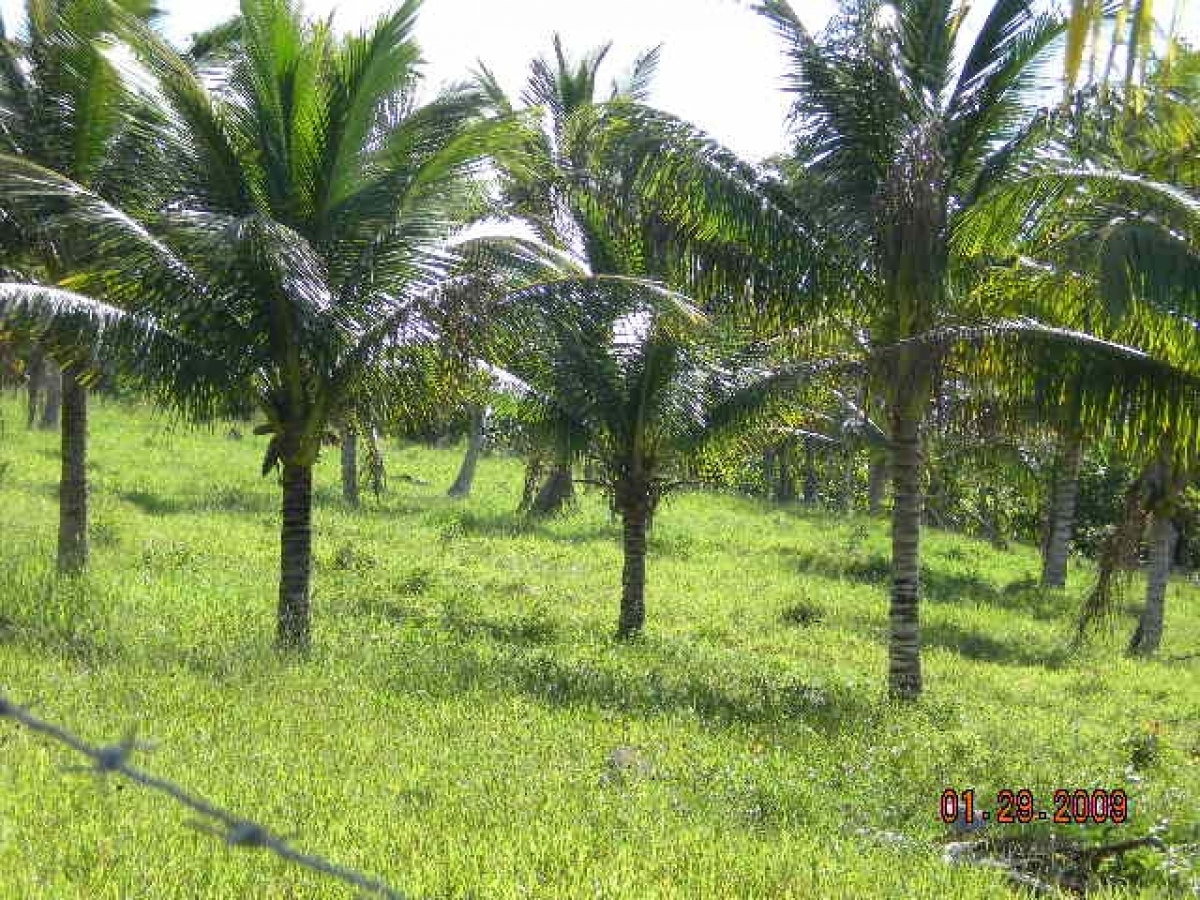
{"x":625,"y":763}
{"x":963,"y":825}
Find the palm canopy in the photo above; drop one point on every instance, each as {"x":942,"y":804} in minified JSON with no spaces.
{"x":301,"y":236}
{"x":306,"y":213}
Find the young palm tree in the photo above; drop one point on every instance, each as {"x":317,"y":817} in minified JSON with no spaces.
{"x":539,"y":184}
{"x":304,"y":239}
{"x":62,"y":107}
{"x":645,"y":381}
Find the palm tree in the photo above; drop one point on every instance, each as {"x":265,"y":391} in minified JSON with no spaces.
{"x":909,"y":140}
{"x":899,"y":139}
{"x":646,"y":381}
{"x":62,"y":107}
{"x":303,"y":241}
{"x":560,"y":101}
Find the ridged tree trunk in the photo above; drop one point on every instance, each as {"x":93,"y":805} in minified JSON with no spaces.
{"x":73,"y":481}
{"x":634,"y":503}
{"x":52,"y":385}
{"x":877,"y":478}
{"x":35,"y":381}
{"x":1148,"y":635}
{"x":295,"y":559}
{"x":475,"y":442}
{"x":904,"y":640}
{"x":349,"y":454}
{"x":1061,"y":517}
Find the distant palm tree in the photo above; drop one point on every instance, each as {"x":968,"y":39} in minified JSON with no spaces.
{"x":300,"y":253}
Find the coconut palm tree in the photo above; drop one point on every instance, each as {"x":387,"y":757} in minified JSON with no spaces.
{"x":905,"y":131}
{"x":303,"y":240}
{"x":62,"y":107}
{"x":901,"y":126}
{"x":560,"y":101}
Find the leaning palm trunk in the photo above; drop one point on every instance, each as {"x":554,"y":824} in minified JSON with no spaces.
{"x":73,"y":483}
{"x":1061,"y":519}
{"x":634,"y":503}
{"x":475,"y":442}
{"x":52,"y":384}
{"x":294,"y":630}
{"x":1149,"y":631}
{"x":904,"y":644}
{"x":349,"y":455}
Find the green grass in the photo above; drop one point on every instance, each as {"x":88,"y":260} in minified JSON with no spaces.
{"x":452,"y":730}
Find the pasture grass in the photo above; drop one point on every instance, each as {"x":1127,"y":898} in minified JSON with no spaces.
{"x":466,"y":727}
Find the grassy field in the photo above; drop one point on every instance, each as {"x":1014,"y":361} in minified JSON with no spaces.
{"x":454,"y":730}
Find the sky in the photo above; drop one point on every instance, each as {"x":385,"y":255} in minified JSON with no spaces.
{"x":722,"y":66}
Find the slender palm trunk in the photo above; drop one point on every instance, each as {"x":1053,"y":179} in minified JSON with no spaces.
{"x":73,"y":482}
{"x":769,"y":468}
{"x":534,"y":468}
{"x":52,"y":383}
{"x":787,"y":475}
{"x":1149,"y":631}
{"x":349,"y":449}
{"x":295,"y":558}
{"x":1061,"y":519}
{"x":634,"y":520}
{"x":877,"y":477}
{"x":376,"y":465}
{"x":904,"y":643}
{"x":810,"y":474}
{"x":475,"y":442}
{"x":35,"y":380}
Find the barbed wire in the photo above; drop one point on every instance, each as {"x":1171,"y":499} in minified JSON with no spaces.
{"x":232,"y":829}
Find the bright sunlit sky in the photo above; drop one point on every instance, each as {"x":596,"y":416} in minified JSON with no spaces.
{"x":721,"y":67}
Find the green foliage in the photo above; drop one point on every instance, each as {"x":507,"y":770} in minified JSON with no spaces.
{"x":464,"y":702}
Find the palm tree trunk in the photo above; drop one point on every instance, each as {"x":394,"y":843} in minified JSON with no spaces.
{"x":904,"y":641}
{"x":475,"y":441}
{"x":350,"y":465}
{"x":376,"y":466}
{"x":73,"y":482}
{"x":35,"y":382}
{"x":810,"y":474}
{"x":1062,"y":513}
{"x":295,"y":558}
{"x":787,"y":474}
{"x":634,"y":519}
{"x":1149,"y":631}
{"x":533,"y":475}
{"x":877,"y":477}
{"x":52,"y":382}
{"x":556,"y":493}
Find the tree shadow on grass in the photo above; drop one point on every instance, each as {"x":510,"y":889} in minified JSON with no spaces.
{"x":982,"y":647}
{"x":759,"y":699}
{"x":937,"y":585}
{"x":218,"y":499}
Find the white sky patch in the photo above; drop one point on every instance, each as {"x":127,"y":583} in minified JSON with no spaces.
{"x":722,"y":66}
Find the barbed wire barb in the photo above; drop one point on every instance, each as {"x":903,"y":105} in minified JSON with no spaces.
{"x":231,"y":829}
